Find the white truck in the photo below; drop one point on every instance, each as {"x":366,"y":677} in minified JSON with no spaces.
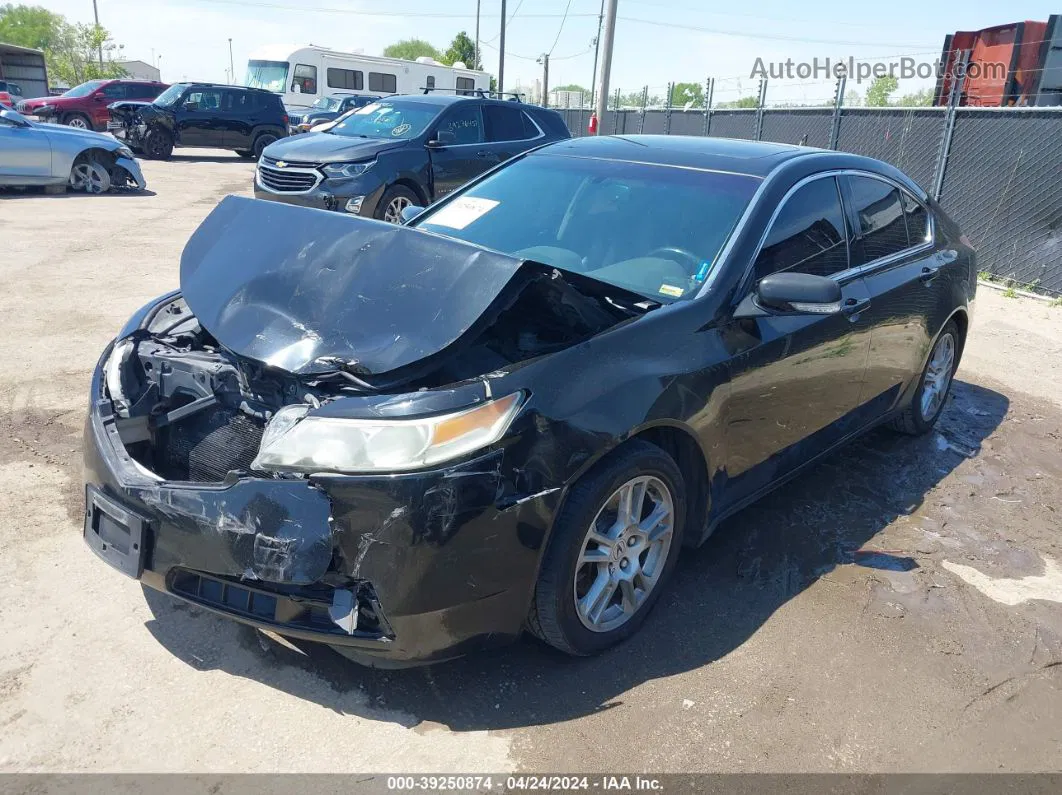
{"x":302,"y":75}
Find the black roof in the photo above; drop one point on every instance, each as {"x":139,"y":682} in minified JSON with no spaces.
{"x":201,"y":84}
{"x":756,"y":158}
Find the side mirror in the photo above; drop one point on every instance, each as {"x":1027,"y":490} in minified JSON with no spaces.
{"x":802,"y":293}
{"x":443,"y":138}
{"x":99,"y":97}
{"x":12,"y":117}
{"x":410,"y":212}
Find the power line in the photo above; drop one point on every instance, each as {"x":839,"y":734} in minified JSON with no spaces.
{"x":508,"y":22}
{"x":363,"y":13}
{"x":561,"y":28}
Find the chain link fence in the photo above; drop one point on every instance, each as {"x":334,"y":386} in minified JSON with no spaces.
{"x":997,"y":172}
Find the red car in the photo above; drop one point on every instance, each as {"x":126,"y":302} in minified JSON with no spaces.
{"x":85,"y":106}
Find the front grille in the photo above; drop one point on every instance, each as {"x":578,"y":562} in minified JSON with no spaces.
{"x":206,"y":446}
{"x":304,"y":164}
{"x":286,"y":180}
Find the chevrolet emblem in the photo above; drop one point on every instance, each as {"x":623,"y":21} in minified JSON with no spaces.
{"x":281,"y":164}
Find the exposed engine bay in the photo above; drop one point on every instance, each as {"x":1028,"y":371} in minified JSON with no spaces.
{"x":189,"y":409}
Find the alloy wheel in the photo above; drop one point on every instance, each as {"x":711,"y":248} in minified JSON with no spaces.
{"x":393,"y":213}
{"x":90,"y":177}
{"x":624,"y":553}
{"x":77,"y":122}
{"x":938,"y":376}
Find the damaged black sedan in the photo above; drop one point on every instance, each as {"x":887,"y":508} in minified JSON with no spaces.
{"x":409,"y":442}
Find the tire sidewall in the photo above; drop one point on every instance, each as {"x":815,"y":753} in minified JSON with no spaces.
{"x":390,"y":195}
{"x":260,"y":143}
{"x":88,"y":122}
{"x":916,"y":401}
{"x":570,"y":534}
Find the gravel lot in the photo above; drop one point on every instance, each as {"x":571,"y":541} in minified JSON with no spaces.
{"x":898,"y":608}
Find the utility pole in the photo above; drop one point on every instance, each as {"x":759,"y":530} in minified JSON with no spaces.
{"x":476,"y":64}
{"x":501,"y":52}
{"x":544,"y":60}
{"x":597,"y":47}
{"x":232,"y":68}
{"x":96,"y":16}
{"x":606,"y":61}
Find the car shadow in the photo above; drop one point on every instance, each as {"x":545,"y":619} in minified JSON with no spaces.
{"x":721,"y":594}
{"x":232,"y":157}
{"x":39,"y":193}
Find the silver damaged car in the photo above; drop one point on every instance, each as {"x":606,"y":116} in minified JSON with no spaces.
{"x":54,"y":156}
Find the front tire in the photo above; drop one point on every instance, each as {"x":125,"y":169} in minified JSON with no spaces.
{"x":79,"y":121}
{"x":157,"y":144}
{"x":246,"y":154}
{"x":614,"y":546}
{"x":934,"y":386}
{"x":394,"y":201}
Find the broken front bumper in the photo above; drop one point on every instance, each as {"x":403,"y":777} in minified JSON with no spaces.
{"x":435,"y":563}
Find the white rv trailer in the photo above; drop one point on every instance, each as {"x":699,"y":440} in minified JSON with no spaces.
{"x":302,"y":75}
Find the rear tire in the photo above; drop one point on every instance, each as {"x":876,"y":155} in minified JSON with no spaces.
{"x":934,"y":385}
{"x":157,"y":144}
{"x":594,"y":594}
{"x":260,"y":143}
{"x":246,"y":154}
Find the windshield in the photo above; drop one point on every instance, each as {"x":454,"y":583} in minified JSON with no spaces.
{"x":170,"y":95}
{"x":84,"y":89}
{"x":270,"y":75}
{"x":326,"y":103}
{"x":400,"y":120}
{"x":655,"y":230}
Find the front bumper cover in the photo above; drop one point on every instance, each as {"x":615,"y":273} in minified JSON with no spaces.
{"x":445,"y":559}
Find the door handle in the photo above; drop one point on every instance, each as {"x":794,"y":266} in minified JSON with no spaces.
{"x":484,"y":153}
{"x":853,"y":306}
{"x":929,"y":273}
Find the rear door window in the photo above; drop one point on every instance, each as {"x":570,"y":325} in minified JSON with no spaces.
{"x":882,"y":229}
{"x":808,"y":235}
{"x":504,"y":123}
{"x":115,"y":91}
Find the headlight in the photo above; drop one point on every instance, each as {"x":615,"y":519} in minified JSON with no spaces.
{"x":347,"y":169}
{"x":294,"y":442}
{"x":112,"y":373}
{"x":125,"y":151}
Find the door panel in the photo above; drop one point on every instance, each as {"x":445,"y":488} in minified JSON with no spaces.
{"x":455,"y":164}
{"x":905,"y":288}
{"x":239,"y":116}
{"x":24,"y":152}
{"x":796,"y":378}
{"x":795,"y":386}
{"x":199,"y":122}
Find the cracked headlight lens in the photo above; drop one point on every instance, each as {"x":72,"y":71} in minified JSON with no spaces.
{"x":347,"y":169}
{"x":295,"y":442}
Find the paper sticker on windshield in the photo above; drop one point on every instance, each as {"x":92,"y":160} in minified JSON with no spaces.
{"x":401,"y":129}
{"x":461,"y":212}
{"x":672,"y":290}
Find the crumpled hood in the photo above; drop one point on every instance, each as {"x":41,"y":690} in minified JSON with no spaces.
{"x":102,"y":140}
{"x":287,"y":285}
{"x":327,"y":148}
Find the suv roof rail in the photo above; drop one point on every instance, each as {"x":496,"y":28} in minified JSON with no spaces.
{"x":482,"y":93}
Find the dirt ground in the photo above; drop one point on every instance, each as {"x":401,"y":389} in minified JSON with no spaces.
{"x":898,"y":608}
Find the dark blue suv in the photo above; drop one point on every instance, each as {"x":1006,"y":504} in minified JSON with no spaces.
{"x":401,"y":151}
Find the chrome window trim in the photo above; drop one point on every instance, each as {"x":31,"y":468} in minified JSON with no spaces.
{"x":859,"y":270}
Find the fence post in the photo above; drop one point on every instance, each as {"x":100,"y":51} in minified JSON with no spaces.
{"x":838,"y":101}
{"x":667,"y":112}
{"x":759,"y":107}
{"x":709,"y":89}
{"x":645,"y":104}
{"x":615,"y":114}
{"x":949,"y":123}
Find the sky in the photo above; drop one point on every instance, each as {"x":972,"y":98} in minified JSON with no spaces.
{"x":657,"y":41}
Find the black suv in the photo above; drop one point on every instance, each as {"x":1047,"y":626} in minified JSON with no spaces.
{"x":327,"y":109}
{"x":246,"y":120}
{"x":401,"y":151}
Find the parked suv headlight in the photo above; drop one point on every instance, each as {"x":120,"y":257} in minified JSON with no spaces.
{"x":347,"y":169}
{"x":293,"y":442}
